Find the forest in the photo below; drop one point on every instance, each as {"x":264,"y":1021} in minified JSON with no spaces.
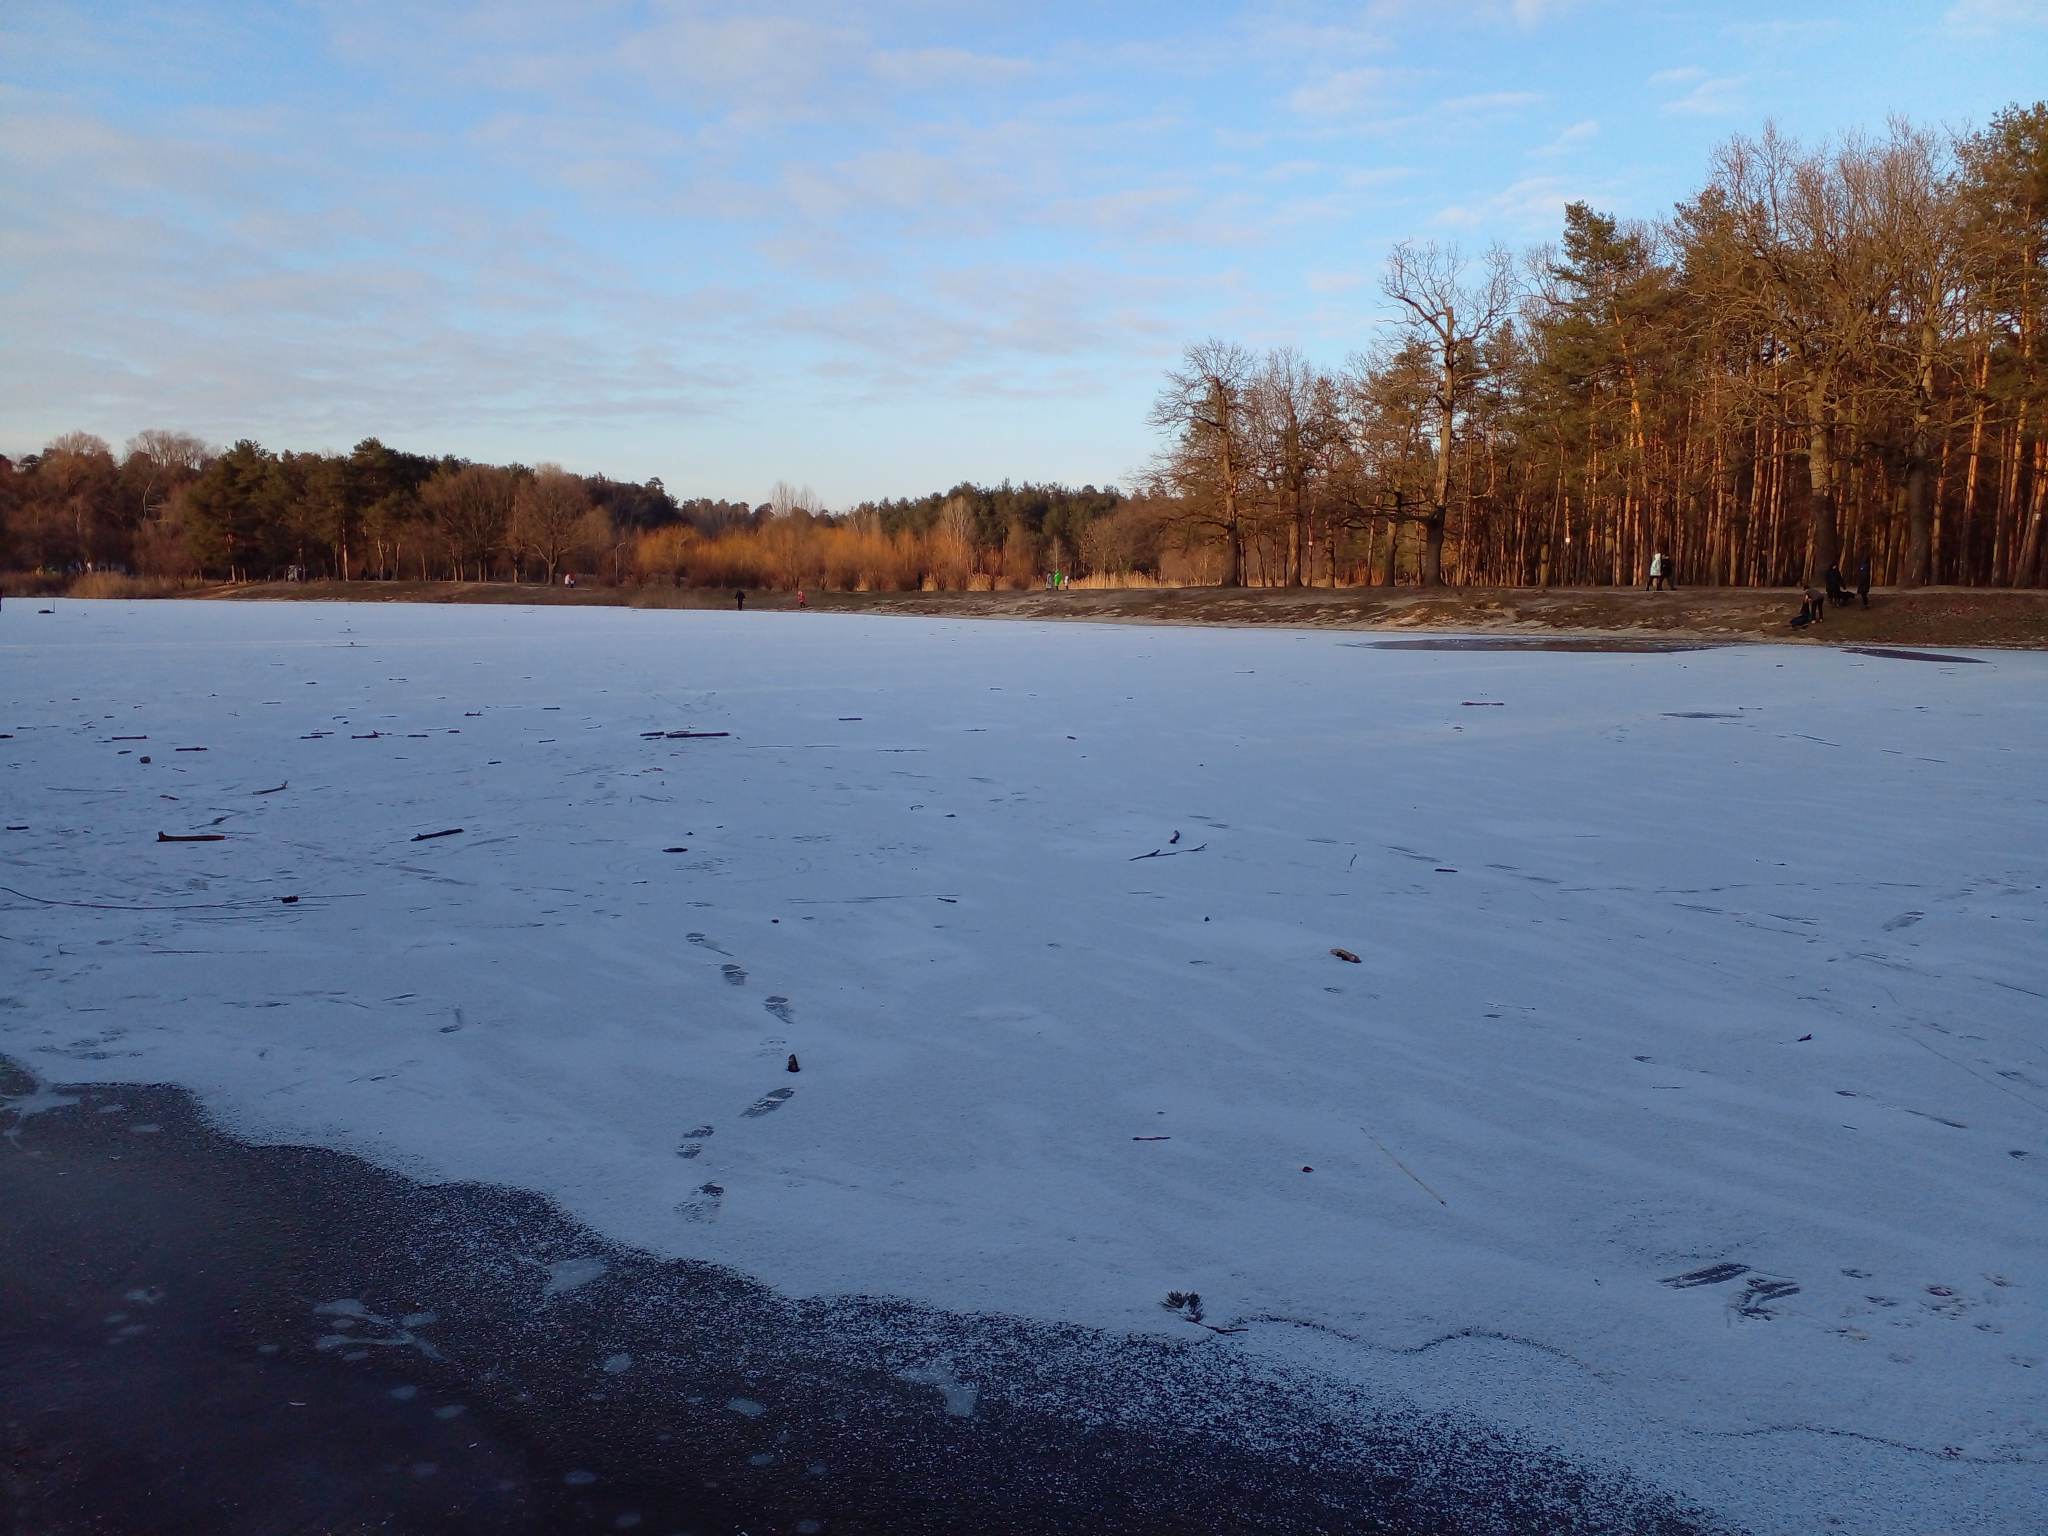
{"x":1829,"y":353}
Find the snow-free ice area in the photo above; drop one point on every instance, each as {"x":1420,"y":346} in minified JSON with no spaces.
{"x":1684,"y":1109}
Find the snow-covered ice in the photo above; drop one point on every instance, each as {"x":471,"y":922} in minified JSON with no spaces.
{"x":1685,"y":1110}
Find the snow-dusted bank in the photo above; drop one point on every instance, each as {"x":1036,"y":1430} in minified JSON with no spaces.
{"x":1684,"y":1109}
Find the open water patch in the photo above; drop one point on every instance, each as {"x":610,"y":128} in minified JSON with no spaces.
{"x":1895,"y":655}
{"x":1586,"y":644}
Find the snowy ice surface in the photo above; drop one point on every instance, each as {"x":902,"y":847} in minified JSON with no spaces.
{"x":1596,"y":924}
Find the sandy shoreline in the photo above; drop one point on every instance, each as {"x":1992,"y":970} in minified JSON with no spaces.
{"x":1935,"y":616}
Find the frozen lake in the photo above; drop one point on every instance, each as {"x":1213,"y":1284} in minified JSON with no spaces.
{"x":1683,"y":1109}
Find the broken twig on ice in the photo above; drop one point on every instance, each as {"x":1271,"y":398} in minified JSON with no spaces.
{"x":1439,"y":1199}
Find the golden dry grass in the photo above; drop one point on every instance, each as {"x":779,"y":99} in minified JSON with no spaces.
{"x":108,"y":584}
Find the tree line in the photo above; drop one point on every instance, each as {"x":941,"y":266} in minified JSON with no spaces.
{"x":1827,"y":354}
{"x":170,"y":507}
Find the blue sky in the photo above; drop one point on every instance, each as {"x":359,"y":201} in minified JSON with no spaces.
{"x":872,"y":249}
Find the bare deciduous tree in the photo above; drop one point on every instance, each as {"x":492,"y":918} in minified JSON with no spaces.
{"x":1454,"y":313}
{"x":1295,"y":415}
{"x":471,"y":505}
{"x":1204,"y":406}
{"x":785,"y":499}
{"x":172,"y":457}
{"x":546,"y":513}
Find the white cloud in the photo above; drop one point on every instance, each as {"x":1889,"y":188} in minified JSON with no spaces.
{"x":1490,"y":102}
{"x":1679,"y":76}
{"x":1982,"y":18}
{"x":1294,"y":39}
{"x":1532,"y":205}
{"x":946,"y":67}
{"x":940,"y":188}
{"x":1567,"y":140}
{"x":1525,"y":15}
{"x":1530,"y":13}
{"x":1342,"y":93}
{"x":1714,"y":96}
{"x":1367,"y":97}
{"x":1781,"y":33}
{"x":1375,"y":176}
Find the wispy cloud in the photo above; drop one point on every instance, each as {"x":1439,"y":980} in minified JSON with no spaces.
{"x":1984,"y":18}
{"x":1531,"y":205}
{"x":1568,"y":139}
{"x":1524,"y":15}
{"x":1782,"y":32}
{"x":1343,"y":93}
{"x":1531,"y":13}
{"x":1489,"y":103}
{"x":1711,"y":96}
{"x":1292,"y":36}
{"x":946,"y":67}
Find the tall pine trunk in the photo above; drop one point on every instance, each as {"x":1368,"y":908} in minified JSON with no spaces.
{"x":1823,"y":541}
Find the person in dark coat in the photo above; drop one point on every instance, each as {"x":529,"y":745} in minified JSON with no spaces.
{"x":1863,"y":579}
{"x":739,"y":600}
{"x":1837,"y":593}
